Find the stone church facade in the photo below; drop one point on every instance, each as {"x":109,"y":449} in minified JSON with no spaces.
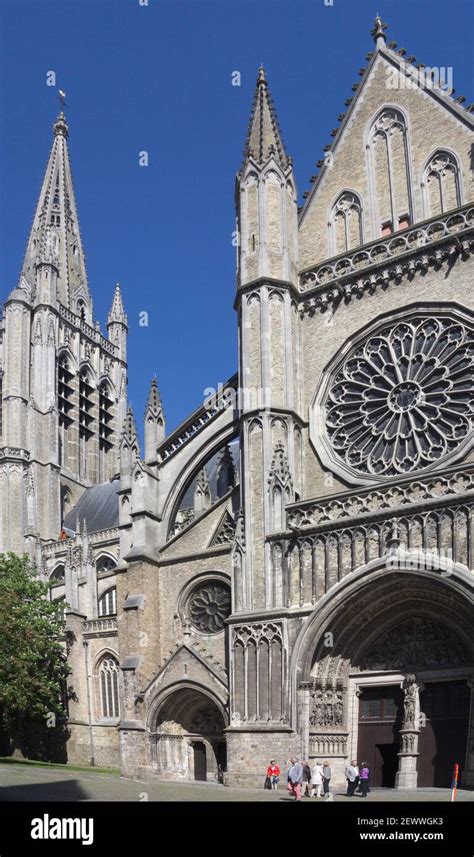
{"x":291,"y":570}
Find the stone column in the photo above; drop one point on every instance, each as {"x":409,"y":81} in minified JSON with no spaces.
{"x":407,"y":774}
{"x":304,"y":706}
{"x":468,"y":772}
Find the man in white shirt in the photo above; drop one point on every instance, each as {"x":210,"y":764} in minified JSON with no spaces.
{"x":352,"y":776}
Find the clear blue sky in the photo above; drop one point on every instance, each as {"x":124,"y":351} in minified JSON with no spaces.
{"x":158,"y":78}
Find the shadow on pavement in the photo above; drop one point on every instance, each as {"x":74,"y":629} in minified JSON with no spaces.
{"x":59,"y":791}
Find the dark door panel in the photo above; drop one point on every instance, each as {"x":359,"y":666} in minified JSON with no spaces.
{"x":443,"y":739}
{"x":380,"y":718}
{"x":200,"y":768}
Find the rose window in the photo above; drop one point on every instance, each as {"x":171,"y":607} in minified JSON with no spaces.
{"x":209,"y":607}
{"x":404,"y":398}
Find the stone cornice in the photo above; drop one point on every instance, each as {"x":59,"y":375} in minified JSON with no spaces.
{"x":380,"y":263}
{"x":262,"y":282}
{"x":11,"y":453}
{"x":207,"y":553}
{"x":450,"y":486}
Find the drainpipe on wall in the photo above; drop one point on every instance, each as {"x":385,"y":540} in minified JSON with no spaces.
{"x":89,"y":712}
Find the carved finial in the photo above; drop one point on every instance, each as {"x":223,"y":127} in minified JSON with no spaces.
{"x":378,"y":31}
{"x":60,"y":127}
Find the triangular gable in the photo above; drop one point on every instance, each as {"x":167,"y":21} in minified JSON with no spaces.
{"x":225,"y":530}
{"x":434,"y":121}
{"x":173,"y":668}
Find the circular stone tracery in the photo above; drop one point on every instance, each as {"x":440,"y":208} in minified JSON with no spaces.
{"x":208,"y":607}
{"x":404,"y":398}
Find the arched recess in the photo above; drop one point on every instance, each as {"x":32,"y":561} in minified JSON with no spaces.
{"x":180,"y":719}
{"x":105,"y":562}
{"x":67,"y":401}
{"x":381,"y":627}
{"x":357,"y":596}
{"x":387,"y":142}
{"x":345,"y":222}
{"x":191,"y":471}
{"x":106,"y":426}
{"x":441,"y":183}
{"x":107,"y":685}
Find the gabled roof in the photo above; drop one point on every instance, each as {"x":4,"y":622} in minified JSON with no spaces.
{"x":407,"y":67}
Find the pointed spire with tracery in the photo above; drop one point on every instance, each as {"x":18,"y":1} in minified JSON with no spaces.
{"x":117,"y":312}
{"x":129,"y":432}
{"x":154,"y":405}
{"x":55,"y":236}
{"x":264,"y":135}
{"x":154,"y":422}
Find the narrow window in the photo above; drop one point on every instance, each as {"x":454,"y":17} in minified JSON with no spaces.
{"x":108,"y":603}
{"x":108,"y":678}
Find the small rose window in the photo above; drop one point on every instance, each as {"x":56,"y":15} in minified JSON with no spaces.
{"x":208,"y":607}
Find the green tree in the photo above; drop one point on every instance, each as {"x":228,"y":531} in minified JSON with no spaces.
{"x":33,"y":669}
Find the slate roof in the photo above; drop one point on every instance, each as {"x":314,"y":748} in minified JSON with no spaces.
{"x":98,"y":506}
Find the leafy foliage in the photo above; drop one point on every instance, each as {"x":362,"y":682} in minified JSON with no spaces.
{"x":33,"y":670}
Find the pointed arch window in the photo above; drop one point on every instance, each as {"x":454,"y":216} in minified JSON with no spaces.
{"x":441,"y":183}
{"x":105,"y":563}
{"x":108,"y":682}
{"x":86,"y":404}
{"x":390,"y":172}
{"x":105,"y":416}
{"x":345,"y":223}
{"x":58,"y":575}
{"x":108,"y":603}
{"x":65,"y":391}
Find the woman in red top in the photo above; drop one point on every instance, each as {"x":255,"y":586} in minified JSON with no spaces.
{"x":273,"y":772}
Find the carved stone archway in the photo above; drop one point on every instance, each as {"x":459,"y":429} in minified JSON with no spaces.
{"x":380,"y":626}
{"x":182,"y":722}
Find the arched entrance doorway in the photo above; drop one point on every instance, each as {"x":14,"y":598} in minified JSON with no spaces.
{"x":187,"y":735}
{"x":380,"y":660}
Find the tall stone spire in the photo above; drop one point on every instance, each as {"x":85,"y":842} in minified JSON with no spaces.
{"x":266,"y":199}
{"x":55,"y":236}
{"x":154,"y":422}
{"x":264,"y":135}
{"x":117,"y":324}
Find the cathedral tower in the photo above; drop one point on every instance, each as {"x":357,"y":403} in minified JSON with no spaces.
{"x":63,"y":393}
{"x":266,"y":199}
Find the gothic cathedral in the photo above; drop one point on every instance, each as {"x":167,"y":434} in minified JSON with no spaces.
{"x":291,"y":570}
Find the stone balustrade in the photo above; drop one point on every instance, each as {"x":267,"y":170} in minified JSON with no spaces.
{"x":103,"y":627}
{"x":378,"y":263}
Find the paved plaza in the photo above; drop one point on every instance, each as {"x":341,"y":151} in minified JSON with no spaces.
{"x":24,"y":783}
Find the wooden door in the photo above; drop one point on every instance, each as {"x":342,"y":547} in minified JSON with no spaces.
{"x":380,"y":718}
{"x":200,"y":766}
{"x":443,"y":739}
